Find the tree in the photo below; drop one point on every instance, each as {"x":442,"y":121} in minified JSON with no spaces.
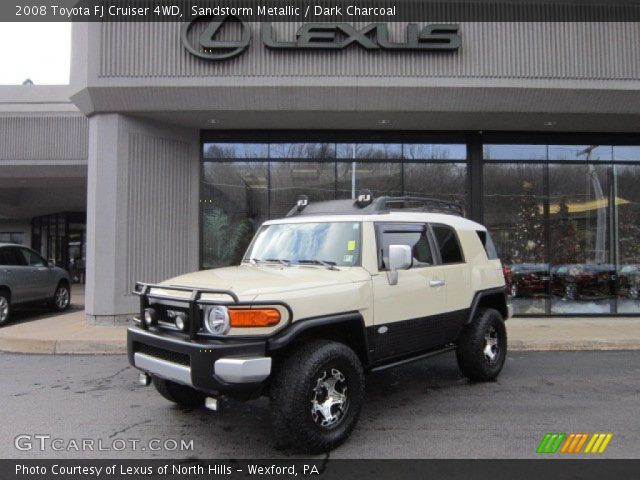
{"x":528,"y":244}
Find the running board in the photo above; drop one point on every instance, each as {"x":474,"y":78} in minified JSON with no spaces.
{"x":422,"y":356}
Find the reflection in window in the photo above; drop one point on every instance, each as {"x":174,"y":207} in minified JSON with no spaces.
{"x":427,"y":151}
{"x":588,"y":153}
{"x":369,"y":151}
{"x":514,"y":152}
{"x":224,"y":151}
{"x":303,"y":150}
{"x":514,"y":215}
{"x":626,"y":153}
{"x":444,"y":181}
{"x":289,"y":180}
{"x":380,"y":178}
{"x":627,"y":178}
{"x":582,"y":274}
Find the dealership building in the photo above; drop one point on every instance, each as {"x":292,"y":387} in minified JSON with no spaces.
{"x":162,"y":157}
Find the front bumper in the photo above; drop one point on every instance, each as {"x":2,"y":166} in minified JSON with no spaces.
{"x":230,"y":367}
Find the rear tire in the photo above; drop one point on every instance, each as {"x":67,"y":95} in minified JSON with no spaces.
{"x":482,"y":346}
{"x":62,"y":298}
{"x":5,"y":308}
{"x":316,"y":396}
{"x":180,"y":394}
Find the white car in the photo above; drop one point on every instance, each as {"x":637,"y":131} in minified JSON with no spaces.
{"x":333,"y":291}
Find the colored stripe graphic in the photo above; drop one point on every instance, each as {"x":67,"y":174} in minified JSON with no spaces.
{"x":572,"y":443}
{"x":598,"y":443}
{"x":551,"y":442}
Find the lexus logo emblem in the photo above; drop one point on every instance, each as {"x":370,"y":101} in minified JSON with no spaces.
{"x":211,"y":49}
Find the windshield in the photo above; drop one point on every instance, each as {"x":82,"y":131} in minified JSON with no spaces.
{"x":333,"y":243}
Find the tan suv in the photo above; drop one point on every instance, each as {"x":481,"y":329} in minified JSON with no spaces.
{"x":333,"y":291}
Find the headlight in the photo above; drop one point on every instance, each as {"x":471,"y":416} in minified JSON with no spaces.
{"x":216,"y":320}
{"x":181,"y":321}
{"x":150,"y":317}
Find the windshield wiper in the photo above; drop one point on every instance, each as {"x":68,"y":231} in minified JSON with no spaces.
{"x":325,"y":263}
{"x":283,"y":261}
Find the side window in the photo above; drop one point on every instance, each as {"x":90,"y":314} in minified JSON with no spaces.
{"x":489,"y":246}
{"x":448,"y":244}
{"x":413,"y":235}
{"x":32,"y":258}
{"x":11,"y":257}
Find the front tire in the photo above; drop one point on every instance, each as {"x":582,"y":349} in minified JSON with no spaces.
{"x":180,"y":394}
{"x":482,"y":346}
{"x":316,"y":396}
{"x":5,"y":308}
{"x":62,"y":298}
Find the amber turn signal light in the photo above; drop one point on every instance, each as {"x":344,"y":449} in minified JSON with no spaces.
{"x":262,"y":317}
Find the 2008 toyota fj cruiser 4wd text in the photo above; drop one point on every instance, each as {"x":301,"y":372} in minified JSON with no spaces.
{"x":334,"y":290}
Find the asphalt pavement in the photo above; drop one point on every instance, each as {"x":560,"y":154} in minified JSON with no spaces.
{"x":423,"y":410}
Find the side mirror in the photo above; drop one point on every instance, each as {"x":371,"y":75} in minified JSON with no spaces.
{"x":400,"y":258}
{"x":51,"y":264}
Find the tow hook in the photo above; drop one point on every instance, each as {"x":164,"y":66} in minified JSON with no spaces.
{"x":212,"y":404}
{"x":144,"y":379}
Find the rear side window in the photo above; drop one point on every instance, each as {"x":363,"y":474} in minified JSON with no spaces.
{"x":10,"y":256}
{"x":448,"y":244}
{"x":415,"y":236}
{"x":489,"y":246}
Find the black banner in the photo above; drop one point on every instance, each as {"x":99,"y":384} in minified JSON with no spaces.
{"x":324,"y":468}
{"x":321,"y":10}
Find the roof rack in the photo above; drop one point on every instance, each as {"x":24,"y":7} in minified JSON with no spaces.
{"x":365,"y":204}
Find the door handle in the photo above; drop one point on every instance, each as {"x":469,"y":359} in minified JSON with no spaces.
{"x":6,"y":270}
{"x":437,"y":283}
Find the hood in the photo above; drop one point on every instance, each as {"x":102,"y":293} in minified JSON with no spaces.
{"x":248,"y":281}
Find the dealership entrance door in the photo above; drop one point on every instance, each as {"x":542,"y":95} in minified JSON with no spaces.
{"x":61,"y":238}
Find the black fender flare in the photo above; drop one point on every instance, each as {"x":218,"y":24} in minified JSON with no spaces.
{"x":479,"y":295}
{"x":287,"y":336}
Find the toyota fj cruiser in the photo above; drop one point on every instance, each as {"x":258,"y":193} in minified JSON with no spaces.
{"x":333,"y":291}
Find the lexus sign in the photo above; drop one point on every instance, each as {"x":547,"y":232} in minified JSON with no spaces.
{"x":316,"y":36}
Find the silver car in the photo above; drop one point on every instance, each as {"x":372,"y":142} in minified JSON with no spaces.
{"x":27,"y":278}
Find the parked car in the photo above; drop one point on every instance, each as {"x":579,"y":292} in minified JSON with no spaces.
{"x":590,"y":280}
{"x":27,"y":278}
{"x":334,"y":290}
{"x":528,"y":279}
{"x":629,"y":281}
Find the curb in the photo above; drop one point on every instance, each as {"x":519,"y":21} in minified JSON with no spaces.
{"x":62,"y":347}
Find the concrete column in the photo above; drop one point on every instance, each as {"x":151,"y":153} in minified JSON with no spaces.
{"x":142,"y":210}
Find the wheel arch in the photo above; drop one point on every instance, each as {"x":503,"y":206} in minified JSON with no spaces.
{"x":347,"y":328}
{"x":5,"y":288}
{"x":494,"y":298}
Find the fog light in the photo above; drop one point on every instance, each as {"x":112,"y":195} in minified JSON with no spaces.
{"x":211,"y":403}
{"x":181,"y":321}
{"x":144,"y":379}
{"x":216,"y":320}
{"x":150,"y":317}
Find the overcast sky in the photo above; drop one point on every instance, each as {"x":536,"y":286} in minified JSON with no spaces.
{"x":39,"y":51}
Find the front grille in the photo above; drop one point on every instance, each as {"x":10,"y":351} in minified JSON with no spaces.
{"x":161,"y":353}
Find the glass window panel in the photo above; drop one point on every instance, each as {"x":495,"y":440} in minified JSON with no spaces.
{"x":234,"y":203}
{"x":223,"y":151}
{"x":514,"y":152}
{"x":302,"y":150}
{"x":582,"y":274}
{"x":444,"y":181}
{"x":431,"y":151}
{"x":369,"y":151}
{"x":627,"y":178}
{"x":589,"y":153}
{"x":380,"y":178}
{"x":514,"y":215}
{"x":289,"y":180}
{"x":626,"y":153}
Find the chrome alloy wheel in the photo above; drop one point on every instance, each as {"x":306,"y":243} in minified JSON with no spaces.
{"x":62,"y":298}
{"x":4,"y":309}
{"x":491,"y":348}
{"x":329,"y":401}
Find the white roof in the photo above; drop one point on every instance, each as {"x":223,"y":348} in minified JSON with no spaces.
{"x":459,"y":223}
